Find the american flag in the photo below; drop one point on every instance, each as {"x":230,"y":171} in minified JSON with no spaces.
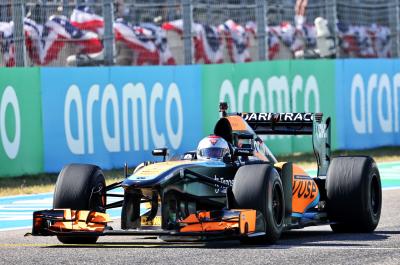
{"x":84,"y":19}
{"x":272,"y":38}
{"x":137,"y":39}
{"x":44,"y":42}
{"x":364,"y":42}
{"x":7,"y":44}
{"x":57,"y":30}
{"x":294,"y":38}
{"x":177,"y":26}
{"x":157,"y":34}
{"x":207,"y":41}
{"x":33,"y":40}
{"x":212,"y":47}
{"x":381,"y":40}
{"x":273,"y":43}
{"x":237,"y":41}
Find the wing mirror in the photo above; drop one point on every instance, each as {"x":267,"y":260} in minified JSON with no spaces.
{"x":160,"y":152}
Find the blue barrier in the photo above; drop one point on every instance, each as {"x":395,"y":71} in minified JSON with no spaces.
{"x":367,"y":103}
{"x":107,"y":116}
{"x":111,"y":115}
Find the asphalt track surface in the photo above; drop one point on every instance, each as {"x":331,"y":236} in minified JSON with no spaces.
{"x":313,"y":245}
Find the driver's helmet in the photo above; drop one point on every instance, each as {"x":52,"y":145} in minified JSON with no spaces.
{"x":212,"y":147}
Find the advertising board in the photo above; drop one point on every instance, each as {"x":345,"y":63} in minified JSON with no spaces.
{"x":21,"y":149}
{"x":109,"y":116}
{"x":368,"y":103}
{"x":274,"y":86}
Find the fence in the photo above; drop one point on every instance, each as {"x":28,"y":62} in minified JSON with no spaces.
{"x":159,"y":32}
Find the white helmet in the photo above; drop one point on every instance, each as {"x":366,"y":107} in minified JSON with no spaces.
{"x":212,"y":147}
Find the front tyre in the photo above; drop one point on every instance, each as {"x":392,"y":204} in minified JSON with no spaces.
{"x":259,"y":187}
{"x":354,"y":194}
{"x":80,"y":187}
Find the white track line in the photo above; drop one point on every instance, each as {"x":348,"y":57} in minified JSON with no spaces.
{"x":15,"y":228}
{"x":285,"y":247}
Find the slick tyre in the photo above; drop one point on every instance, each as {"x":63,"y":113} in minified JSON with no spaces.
{"x":80,"y":187}
{"x":130,"y":213}
{"x":259,"y":187}
{"x":354,"y":194}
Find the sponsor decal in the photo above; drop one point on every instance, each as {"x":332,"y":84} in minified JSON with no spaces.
{"x":276,"y":117}
{"x":272,"y":87}
{"x":368,"y":100}
{"x":155,"y":222}
{"x":134,"y":101}
{"x":321,"y":131}
{"x":21,"y":134}
{"x":218,"y":188}
{"x":375,"y":97}
{"x":107,"y":116}
{"x":277,"y":94}
{"x":304,"y":187}
{"x":9,"y":101}
{"x":246,"y":151}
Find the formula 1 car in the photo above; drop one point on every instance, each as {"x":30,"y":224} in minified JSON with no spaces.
{"x":247,"y":195}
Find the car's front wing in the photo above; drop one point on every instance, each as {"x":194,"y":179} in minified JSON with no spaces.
{"x":204,"y":225}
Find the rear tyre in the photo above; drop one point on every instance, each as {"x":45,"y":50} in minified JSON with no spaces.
{"x":80,"y":187}
{"x":354,"y":194}
{"x":259,"y":187}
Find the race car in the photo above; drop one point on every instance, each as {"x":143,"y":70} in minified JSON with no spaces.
{"x":231,"y":187}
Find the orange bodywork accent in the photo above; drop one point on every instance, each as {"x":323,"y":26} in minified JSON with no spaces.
{"x":237,"y":123}
{"x":203,"y":215}
{"x":81,"y":221}
{"x":245,"y":222}
{"x":304,"y":189}
{"x":210,"y":226}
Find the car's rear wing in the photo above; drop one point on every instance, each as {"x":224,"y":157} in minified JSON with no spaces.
{"x":306,"y":123}
{"x":280,"y":123}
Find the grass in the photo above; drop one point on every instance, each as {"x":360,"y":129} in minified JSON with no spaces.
{"x":41,"y":183}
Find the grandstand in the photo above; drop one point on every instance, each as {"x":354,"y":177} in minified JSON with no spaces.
{"x":153,"y":32}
